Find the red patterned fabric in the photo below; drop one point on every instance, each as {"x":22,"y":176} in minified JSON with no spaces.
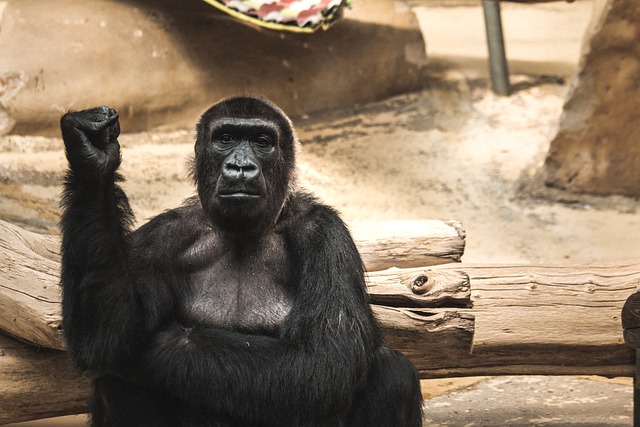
{"x":280,"y":14}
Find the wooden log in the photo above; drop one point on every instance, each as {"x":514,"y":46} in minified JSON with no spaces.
{"x":428,"y":337}
{"x":406,"y":244}
{"x":29,"y":268}
{"x":38,"y":383}
{"x":419,"y":287}
{"x":569,"y":305}
{"x":512,"y":305}
{"x":29,"y":286}
{"x":547,"y":320}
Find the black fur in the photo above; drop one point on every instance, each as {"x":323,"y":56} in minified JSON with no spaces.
{"x":246,"y":306}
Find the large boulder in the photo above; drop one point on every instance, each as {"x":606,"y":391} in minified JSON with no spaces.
{"x":162,"y":62}
{"x":597,"y":147}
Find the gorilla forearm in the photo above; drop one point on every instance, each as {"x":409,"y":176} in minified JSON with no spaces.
{"x":254,"y":378}
{"x":101,"y":308}
{"x":95,"y":221}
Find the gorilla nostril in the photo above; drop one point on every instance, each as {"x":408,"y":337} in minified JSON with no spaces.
{"x":231,"y":167}
{"x":251,"y":171}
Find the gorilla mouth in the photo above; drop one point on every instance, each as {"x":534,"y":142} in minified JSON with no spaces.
{"x":239,"y":195}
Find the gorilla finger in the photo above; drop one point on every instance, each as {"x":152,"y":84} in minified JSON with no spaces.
{"x":112,"y":150}
{"x":114,"y":132}
{"x":107,"y":118}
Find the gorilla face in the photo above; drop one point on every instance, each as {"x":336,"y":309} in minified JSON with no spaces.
{"x":244,"y":163}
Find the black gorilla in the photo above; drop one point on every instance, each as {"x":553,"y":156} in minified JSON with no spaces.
{"x":246,"y":306}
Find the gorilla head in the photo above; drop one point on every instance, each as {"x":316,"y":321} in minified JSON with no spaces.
{"x":244,"y":163}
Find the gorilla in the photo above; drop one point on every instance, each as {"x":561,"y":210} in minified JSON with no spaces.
{"x":245,"y":306}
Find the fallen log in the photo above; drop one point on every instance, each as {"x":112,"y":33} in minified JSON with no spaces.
{"x":547,"y":320}
{"x":29,"y":286}
{"x":406,"y":244}
{"x":29,"y":268}
{"x":38,"y":383}
{"x":495,"y":320}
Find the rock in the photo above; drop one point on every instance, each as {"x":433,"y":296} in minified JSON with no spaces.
{"x":10,"y":84}
{"x":162,"y":63}
{"x":596,"y":149}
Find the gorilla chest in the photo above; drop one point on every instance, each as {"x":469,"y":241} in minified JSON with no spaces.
{"x":239,"y":288}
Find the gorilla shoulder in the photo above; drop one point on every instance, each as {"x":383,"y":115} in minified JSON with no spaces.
{"x":172,"y":231}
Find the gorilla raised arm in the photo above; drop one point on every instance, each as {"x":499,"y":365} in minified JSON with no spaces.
{"x":246,"y":306}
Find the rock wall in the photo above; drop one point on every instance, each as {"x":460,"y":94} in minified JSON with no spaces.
{"x":597,"y":147}
{"x":161,"y":63}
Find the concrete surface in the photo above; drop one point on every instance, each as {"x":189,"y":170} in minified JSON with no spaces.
{"x":506,"y":401}
{"x":160,"y":65}
{"x":534,"y":401}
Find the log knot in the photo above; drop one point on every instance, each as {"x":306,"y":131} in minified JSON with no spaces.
{"x":421,"y":284}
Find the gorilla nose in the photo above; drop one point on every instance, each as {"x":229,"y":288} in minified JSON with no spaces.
{"x":239,"y":170}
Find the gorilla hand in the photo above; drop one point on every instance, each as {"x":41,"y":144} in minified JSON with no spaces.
{"x":90,"y":138}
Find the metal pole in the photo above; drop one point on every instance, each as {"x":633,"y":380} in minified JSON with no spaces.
{"x":497,"y":58}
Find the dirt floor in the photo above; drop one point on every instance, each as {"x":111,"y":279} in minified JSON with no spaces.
{"x":453,"y":150}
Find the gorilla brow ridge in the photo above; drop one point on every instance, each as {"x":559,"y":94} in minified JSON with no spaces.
{"x":238,"y":122}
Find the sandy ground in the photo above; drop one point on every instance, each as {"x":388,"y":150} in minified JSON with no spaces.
{"x":453,"y":150}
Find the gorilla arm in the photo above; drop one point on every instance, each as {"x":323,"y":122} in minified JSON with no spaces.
{"x":311,"y":371}
{"x":100,"y":309}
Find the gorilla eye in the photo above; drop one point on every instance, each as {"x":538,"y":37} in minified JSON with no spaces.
{"x":224,"y":141}
{"x":226,"y":138}
{"x":263,"y":141}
